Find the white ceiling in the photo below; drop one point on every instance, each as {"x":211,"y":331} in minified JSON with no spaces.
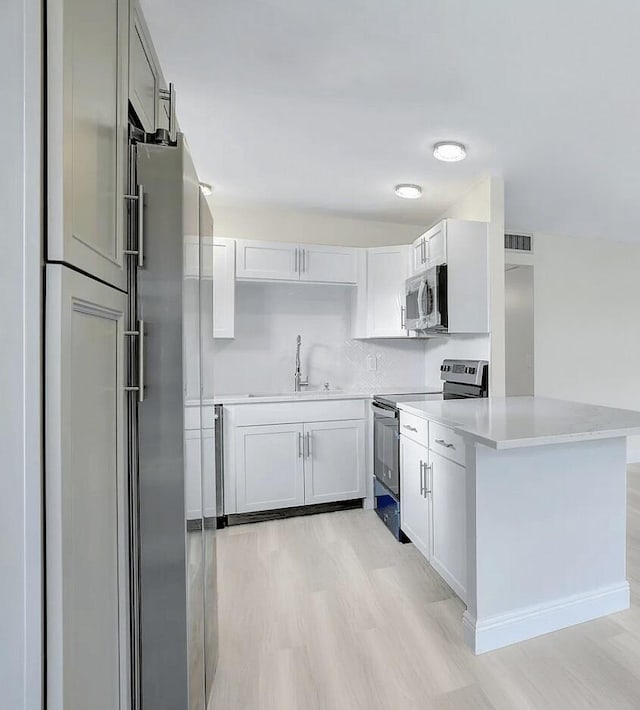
{"x":327,"y":105}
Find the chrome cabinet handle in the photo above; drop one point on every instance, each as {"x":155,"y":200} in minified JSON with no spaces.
{"x":427,"y":491}
{"x":442,"y":442}
{"x":139,"y":251}
{"x":410,"y":428}
{"x":295,"y":261}
{"x":422,"y":485}
{"x":308,"y":442}
{"x":402,"y":319}
{"x":300,"y":448}
{"x":139,"y":388}
{"x":304,"y":260}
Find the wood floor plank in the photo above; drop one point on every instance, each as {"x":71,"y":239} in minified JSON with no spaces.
{"x":329,"y":612}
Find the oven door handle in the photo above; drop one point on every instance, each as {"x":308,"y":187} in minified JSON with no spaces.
{"x":383,"y":411}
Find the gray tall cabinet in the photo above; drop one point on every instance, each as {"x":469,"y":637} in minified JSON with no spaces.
{"x":86,"y":536}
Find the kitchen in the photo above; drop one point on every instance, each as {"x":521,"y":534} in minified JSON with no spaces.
{"x":273,"y":286}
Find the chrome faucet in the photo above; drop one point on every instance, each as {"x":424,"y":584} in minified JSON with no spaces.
{"x":299,"y":382}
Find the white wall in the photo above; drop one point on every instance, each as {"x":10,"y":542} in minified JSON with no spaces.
{"x":519,"y":330}
{"x":288,"y":225}
{"x":20,"y":324}
{"x":261,"y":358}
{"x":587,"y":323}
{"x":484,"y":203}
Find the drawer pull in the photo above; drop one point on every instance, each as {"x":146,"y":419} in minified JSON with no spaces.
{"x":410,"y":428}
{"x":442,"y":442}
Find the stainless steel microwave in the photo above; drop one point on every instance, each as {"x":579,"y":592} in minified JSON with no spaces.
{"x":426,"y":300}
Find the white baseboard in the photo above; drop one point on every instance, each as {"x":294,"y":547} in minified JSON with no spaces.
{"x":528,"y":622}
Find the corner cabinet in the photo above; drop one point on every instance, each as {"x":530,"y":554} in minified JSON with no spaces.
{"x":87,"y":87}
{"x":378,"y":305}
{"x":282,"y":261}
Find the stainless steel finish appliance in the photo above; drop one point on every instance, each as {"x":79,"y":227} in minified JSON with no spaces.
{"x":218,"y":428}
{"x":425,"y":306}
{"x":461,"y":379}
{"x":386,"y":454}
{"x":174,"y":570}
{"x":464,"y":378}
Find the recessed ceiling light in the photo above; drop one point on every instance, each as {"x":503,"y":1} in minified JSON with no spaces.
{"x":409,"y":192}
{"x":449,"y":151}
{"x":206,"y":188}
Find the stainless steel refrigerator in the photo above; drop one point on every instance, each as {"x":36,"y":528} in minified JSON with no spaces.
{"x":173,"y":589}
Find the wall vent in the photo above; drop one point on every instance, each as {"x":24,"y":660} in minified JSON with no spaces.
{"x":518,"y":242}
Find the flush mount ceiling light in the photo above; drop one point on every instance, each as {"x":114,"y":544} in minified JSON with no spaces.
{"x":409,"y":192}
{"x":206,"y":188}
{"x":449,"y":151}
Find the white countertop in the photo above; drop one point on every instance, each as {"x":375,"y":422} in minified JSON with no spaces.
{"x":515,"y":422}
{"x":314,"y":395}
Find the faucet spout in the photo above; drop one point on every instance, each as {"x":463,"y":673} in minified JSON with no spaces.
{"x":298,"y":381}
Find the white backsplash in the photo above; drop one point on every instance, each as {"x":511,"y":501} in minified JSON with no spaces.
{"x":261,"y":358}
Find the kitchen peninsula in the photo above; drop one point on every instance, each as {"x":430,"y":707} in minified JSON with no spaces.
{"x":543,"y":504}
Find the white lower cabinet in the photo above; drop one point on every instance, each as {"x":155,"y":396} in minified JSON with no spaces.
{"x":415,"y":508}
{"x":272,"y":465}
{"x":269,"y":467}
{"x":334,"y":461}
{"x":449,"y":517}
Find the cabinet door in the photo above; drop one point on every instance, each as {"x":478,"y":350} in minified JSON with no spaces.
{"x":334,"y":461}
{"x":414,"y":499}
{"x":87,"y":70}
{"x":224,"y":287}
{"x":449,"y":549}
{"x":143,"y":76}
{"x":437,"y":245}
{"x":269,"y":467}
{"x":419,"y":255}
{"x":267,"y":261}
{"x":328,"y":264}
{"x":86,"y":503}
{"x":386,"y":274}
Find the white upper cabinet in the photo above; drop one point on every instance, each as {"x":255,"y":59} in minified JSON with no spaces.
{"x":87,"y":70}
{"x":327,"y":264}
{"x":419,"y":255}
{"x":387,"y":270}
{"x":224,"y":287}
{"x":282,"y":261}
{"x":334,"y":461}
{"x":378,"y":304}
{"x":143,"y":75}
{"x":267,"y":261}
{"x":430,"y":248}
{"x":436,"y":245}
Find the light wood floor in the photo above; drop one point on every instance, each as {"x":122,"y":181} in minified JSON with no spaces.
{"x":329,"y":612}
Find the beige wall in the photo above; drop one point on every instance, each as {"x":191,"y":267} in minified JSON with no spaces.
{"x":283,"y":225}
{"x":587,"y":327}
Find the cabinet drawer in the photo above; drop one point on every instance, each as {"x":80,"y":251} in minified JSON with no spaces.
{"x":415,"y":428}
{"x":447,"y":443}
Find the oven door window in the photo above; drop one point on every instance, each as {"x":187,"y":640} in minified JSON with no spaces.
{"x":386,"y":464}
